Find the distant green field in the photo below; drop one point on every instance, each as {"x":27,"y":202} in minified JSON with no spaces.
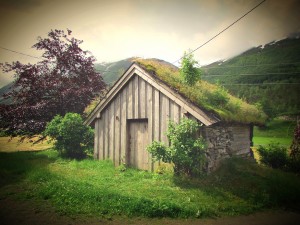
{"x":14,"y":145}
{"x":276,"y":131}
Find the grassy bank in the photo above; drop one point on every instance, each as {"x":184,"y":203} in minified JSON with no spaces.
{"x":98,"y":189}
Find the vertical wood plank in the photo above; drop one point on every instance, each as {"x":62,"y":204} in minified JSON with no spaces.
{"x":150,"y":122}
{"x":176,"y":113}
{"x":136,"y":98}
{"x":146,"y":98}
{"x":117,"y":130}
{"x":123,"y":119}
{"x":100,"y":144}
{"x":171,"y":110}
{"x":145,"y":143}
{"x":142,"y":98}
{"x":96,"y":139}
{"x":164,"y":117}
{"x":106,"y":130}
{"x":132,"y":144}
{"x":111,"y":132}
{"x":156,"y":115}
{"x":156,"y":119}
{"x":130,"y":100}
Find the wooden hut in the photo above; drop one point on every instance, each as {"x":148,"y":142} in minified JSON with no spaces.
{"x":136,"y":111}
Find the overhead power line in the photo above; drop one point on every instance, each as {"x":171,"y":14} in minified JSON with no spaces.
{"x":255,"y":84}
{"x":223,"y":30}
{"x":20,"y":53}
{"x":249,"y":65}
{"x":250,"y":74}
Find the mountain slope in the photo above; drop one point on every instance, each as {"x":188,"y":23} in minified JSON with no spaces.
{"x":4,"y":90}
{"x":112,"y":71}
{"x":266,"y":75}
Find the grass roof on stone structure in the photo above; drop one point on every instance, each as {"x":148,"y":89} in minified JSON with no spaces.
{"x":209,"y":97}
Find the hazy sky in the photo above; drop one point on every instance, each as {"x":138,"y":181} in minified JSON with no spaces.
{"x":116,"y":29}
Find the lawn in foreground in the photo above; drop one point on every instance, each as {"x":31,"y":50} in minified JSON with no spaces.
{"x":98,"y":189}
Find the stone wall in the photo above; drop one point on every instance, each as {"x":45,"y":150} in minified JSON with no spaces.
{"x":226,"y":140}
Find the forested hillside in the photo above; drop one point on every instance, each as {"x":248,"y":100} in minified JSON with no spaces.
{"x":266,"y":75}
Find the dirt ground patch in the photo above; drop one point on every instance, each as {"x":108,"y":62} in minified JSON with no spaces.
{"x":32,"y":212}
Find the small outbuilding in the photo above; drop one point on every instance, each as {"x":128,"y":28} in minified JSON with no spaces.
{"x":136,"y":111}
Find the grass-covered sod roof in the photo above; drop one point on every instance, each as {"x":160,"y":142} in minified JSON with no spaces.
{"x":210,"y":97}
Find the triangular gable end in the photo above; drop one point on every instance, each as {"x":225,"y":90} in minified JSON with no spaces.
{"x":135,"y":69}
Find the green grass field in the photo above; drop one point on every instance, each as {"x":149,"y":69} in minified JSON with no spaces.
{"x":276,"y":131}
{"x":98,"y":189}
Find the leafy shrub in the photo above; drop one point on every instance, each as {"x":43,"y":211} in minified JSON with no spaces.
{"x":273,"y":155}
{"x":188,"y":71}
{"x":186,"y":152}
{"x":71,"y":136}
{"x":159,"y":151}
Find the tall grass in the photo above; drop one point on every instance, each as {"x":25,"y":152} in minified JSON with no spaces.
{"x":99,"y":189}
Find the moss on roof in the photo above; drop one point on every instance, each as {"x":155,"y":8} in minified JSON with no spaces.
{"x":210,"y":97}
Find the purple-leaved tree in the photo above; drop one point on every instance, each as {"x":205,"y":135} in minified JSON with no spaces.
{"x":64,"y":81}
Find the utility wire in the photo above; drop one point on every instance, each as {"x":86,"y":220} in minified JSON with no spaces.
{"x":260,"y":84}
{"x":223,"y":30}
{"x":249,"y":65}
{"x":20,"y":53}
{"x":250,"y":74}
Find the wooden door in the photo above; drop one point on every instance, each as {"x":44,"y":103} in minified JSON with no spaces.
{"x":137,"y":155}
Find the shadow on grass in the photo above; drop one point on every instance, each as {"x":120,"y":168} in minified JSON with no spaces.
{"x":15,"y":166}
{"x":260,"y":186}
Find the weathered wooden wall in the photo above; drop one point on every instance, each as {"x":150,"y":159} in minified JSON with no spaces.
{"x":137,"y":100}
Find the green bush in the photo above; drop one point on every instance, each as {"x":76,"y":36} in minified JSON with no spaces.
{"x":274,"y":155}
{"x":188,"y":71}
{"x":187,"y":149}
{"x":72,"y":138}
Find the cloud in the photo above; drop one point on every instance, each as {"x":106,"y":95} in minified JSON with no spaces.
{"x":117,"y":29}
